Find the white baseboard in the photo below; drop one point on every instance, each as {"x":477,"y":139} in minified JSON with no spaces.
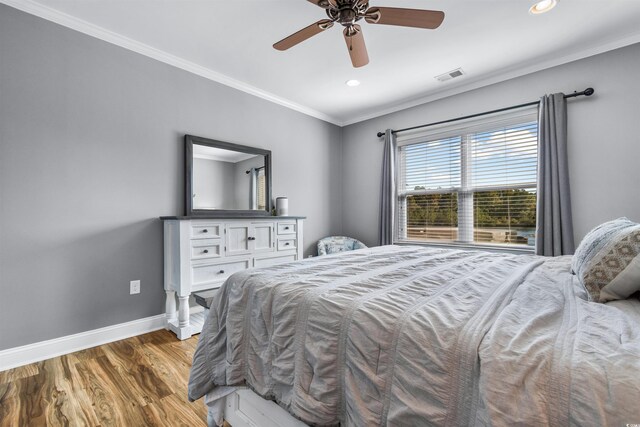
{"x":31,"y":353}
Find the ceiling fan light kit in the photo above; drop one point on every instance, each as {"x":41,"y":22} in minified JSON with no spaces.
{"x":348,"y":12}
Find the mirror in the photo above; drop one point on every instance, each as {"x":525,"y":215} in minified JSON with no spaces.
{"x":225,"y":179}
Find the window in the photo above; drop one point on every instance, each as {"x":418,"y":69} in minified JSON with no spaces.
{"x":262,"y":197}
{"x":473,"y":183}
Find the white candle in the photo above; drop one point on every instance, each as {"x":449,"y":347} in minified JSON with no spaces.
{"x":282,"y":206}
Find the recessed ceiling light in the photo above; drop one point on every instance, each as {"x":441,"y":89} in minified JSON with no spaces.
{"x":352,"y":83}
{"x":543,"y":6}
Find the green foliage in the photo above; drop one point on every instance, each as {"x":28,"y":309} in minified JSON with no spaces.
{"x":506,"y":208}
{"x":433,"y":209}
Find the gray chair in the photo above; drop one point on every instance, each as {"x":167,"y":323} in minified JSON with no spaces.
{"x":335,"y":244}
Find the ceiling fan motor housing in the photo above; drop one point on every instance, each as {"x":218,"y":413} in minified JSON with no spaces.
{"x":346,"y":12}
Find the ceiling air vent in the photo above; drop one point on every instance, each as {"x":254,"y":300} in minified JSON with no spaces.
{"x":450,"y":75}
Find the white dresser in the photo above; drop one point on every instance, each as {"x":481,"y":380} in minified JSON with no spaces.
{"x":200,"y":254}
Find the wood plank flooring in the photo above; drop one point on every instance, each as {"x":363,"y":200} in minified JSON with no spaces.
{"x":140,"y":381}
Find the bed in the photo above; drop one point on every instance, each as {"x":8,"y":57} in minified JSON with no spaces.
{"x":408,"y":336}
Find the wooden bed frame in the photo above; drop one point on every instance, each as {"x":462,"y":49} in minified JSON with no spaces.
{"x":244,"y":408}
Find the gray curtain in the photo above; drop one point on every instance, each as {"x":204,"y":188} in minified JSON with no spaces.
{"x":388,"y":190}
{"x":253,"y":188}
{"x":554,"y":225}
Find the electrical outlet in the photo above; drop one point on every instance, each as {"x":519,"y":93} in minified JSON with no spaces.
{"x":134,"y":287}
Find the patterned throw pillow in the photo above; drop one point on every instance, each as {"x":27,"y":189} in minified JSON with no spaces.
{"x":607,"y":262}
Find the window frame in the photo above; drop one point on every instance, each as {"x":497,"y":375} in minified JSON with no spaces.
{"x":462,"y":129}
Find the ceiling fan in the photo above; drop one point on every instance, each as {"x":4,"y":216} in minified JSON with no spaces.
{"x":348,"y":12}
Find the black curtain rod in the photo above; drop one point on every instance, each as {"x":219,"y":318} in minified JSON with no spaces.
{"x":261,"y":167}
{"x":587,"y":92}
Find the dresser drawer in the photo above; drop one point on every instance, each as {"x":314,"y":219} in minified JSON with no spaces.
{"x":286,"y":244}
{"x":267,"y":262}
{"x":286,"y":228}
{"x":206,"y":231}
{"x":206,"y":248}
{"x":204,"y":273}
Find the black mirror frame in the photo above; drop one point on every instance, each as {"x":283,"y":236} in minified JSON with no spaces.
{"x":189,"y":140}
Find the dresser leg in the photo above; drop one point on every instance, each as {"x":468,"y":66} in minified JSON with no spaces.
{"x":170,"y":307}
{"x":183,"y":317}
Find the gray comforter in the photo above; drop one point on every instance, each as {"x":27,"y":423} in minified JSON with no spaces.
{"x":408,"y":336}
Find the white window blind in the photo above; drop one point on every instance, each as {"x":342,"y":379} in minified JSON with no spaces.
{"x":431,"y":173}
{"x":262,"y":198}
{"x":470,"y":183}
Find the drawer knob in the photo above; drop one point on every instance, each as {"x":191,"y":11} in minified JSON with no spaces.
{"x":251,"y":238}
{"x":286,"y":244}
{"x":205,"y":231}
{"x":221,"y":272}
{"x":206,"y":251}
{"x":286,"y":228}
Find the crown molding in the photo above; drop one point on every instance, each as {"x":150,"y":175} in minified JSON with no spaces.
{"x":497,"y":78}
{"x":69,"y":21}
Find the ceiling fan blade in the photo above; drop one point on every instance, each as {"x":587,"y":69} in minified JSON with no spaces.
{"x":430,"y":19}
{"x":303,"y":34}
{"x":325,"y":4}
{"x":355,"y":43}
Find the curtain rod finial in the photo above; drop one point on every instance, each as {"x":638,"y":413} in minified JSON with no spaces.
{"x":589,"y":91}
{"x":380,"y":134}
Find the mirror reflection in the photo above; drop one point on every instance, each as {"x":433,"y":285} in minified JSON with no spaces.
{"x":226,"y":179}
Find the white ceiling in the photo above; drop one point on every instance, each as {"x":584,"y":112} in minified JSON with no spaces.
{"x":230,"y":41}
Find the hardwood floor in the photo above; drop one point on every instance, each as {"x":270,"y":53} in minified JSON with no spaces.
{"x":140,"y":381}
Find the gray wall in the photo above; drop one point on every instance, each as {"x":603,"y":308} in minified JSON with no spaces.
{"x":604,"y":143}
{"x":214,"y":184}
{"x":91,"y":153}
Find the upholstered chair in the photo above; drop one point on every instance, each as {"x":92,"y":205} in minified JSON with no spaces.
{"x":335,"y":244}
